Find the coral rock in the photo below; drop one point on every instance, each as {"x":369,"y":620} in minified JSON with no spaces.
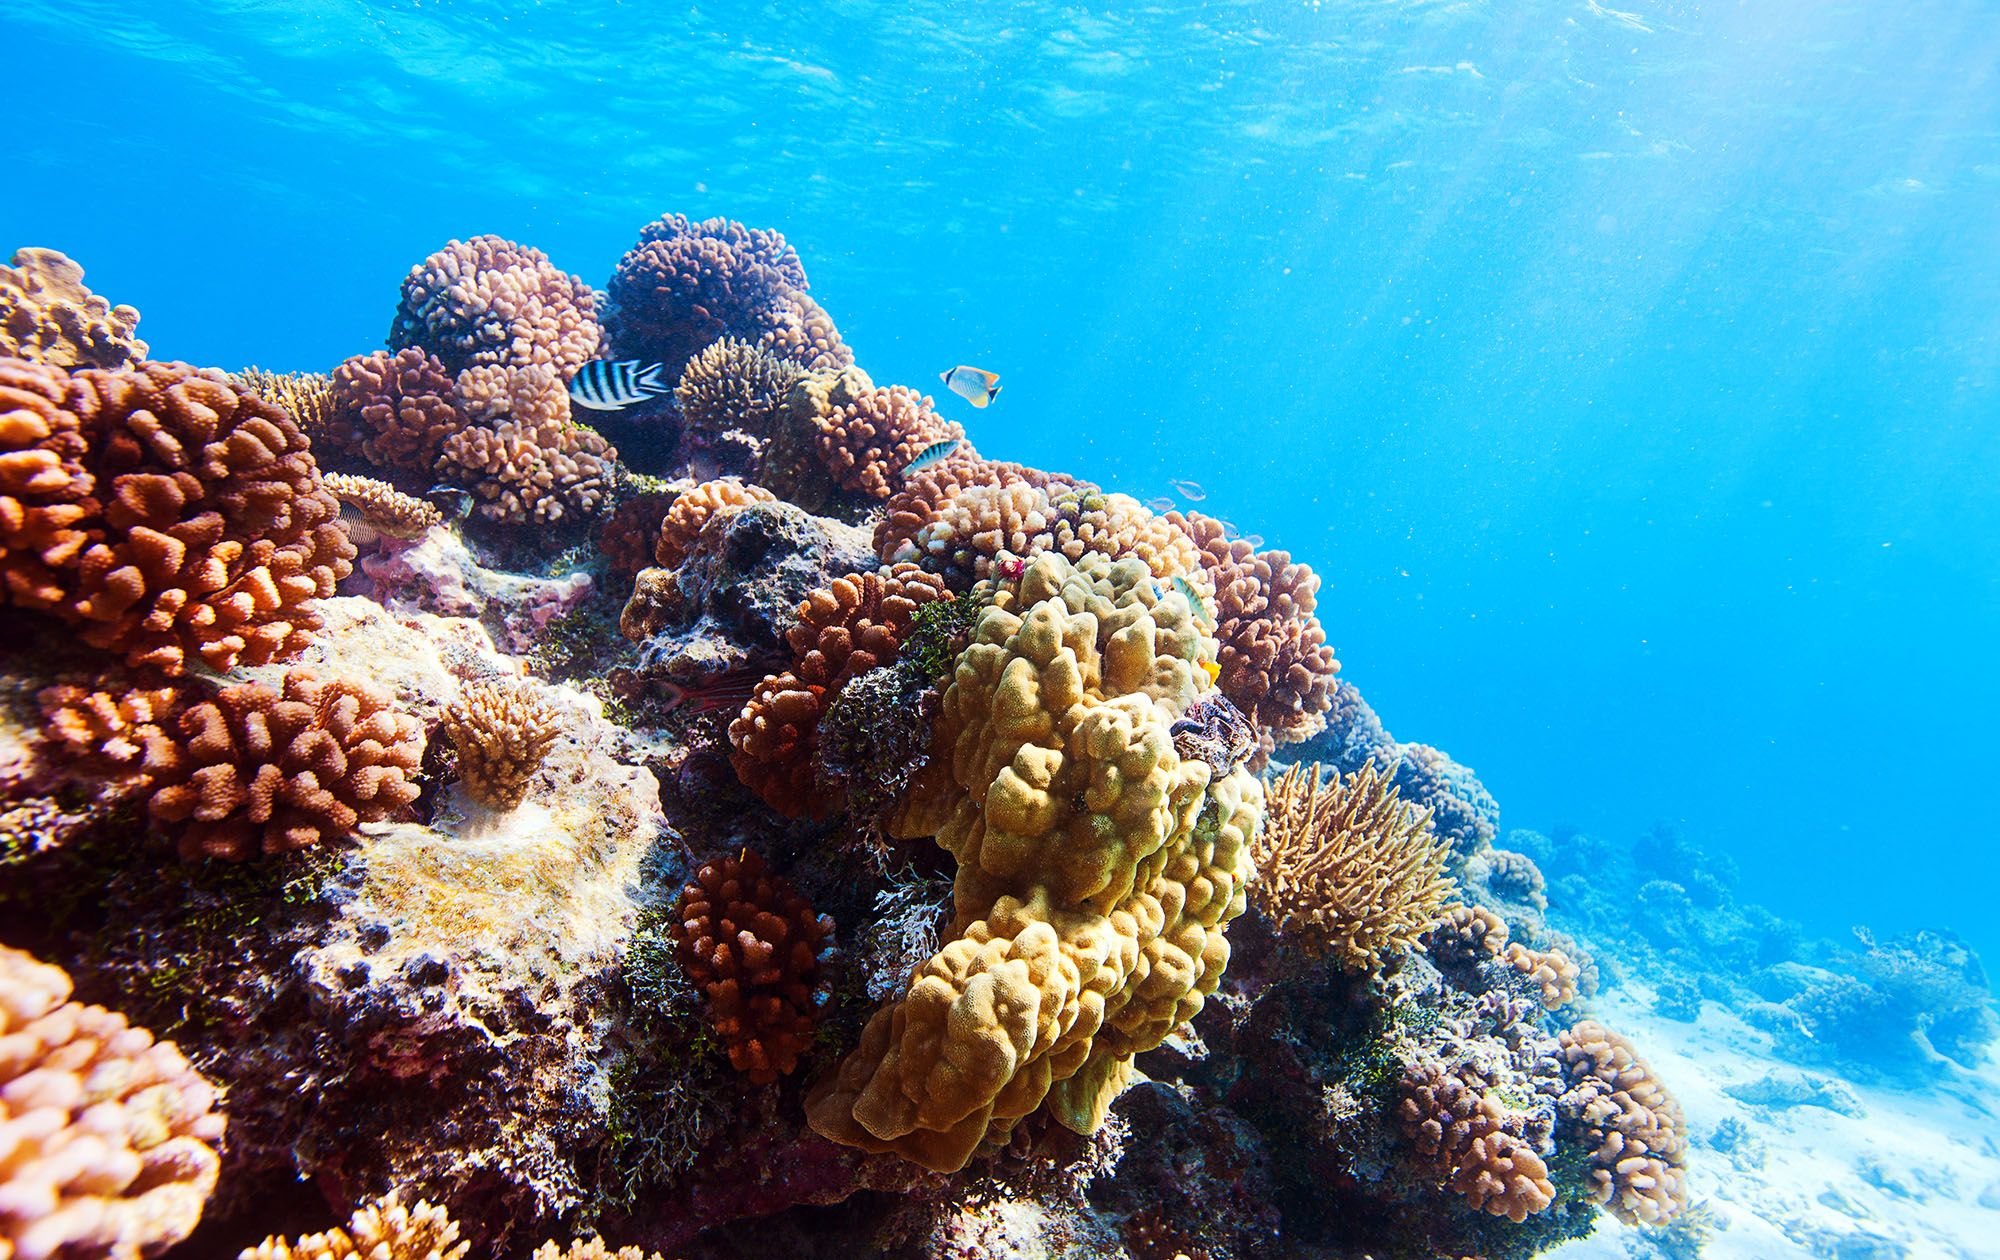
{"x":47,"y":316}
{"x":690,"y":512}
{"x":502,"y":728}
{"x":490,"y":302}
{"x":262,"y":772}
{"x":752,"y":945}
{"x":107,"y":1138}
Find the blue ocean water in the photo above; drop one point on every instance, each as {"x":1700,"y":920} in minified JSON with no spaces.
{"x":1631,"y":374}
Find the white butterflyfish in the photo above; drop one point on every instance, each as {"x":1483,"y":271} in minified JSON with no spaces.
{"x":605,"y":386}
{"x":975,"y":385}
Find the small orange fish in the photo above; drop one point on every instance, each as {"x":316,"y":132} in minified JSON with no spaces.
{"x":975,"y":385}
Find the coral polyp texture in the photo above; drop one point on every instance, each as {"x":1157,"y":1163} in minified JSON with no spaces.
{"x":258,"y":771}
{"x":47,"y":316}
{"x":519,"y":452}
{"x":107,"y":1137}
{"x":1634,"y":1129}
{"x":382,"y":507}
{"x":117,"y":730}
{"x":686,"y":284}
{"x":490,"y":302}
{"x":1551,"y":972}
{"x":1480,"y":1147}
{"x":164,"y":513}
{"x":732,"y":399}
{"x":400,"y":407}
{"x":690,"y":512}
{"x":386,"y":1229}
{"x":752,"y":946}
{"x":867,"y":434}
{"x":503,"y":728}
{"x":1345,"y":868}
{"x":1096,"y":871}
{"x":630,"y":530}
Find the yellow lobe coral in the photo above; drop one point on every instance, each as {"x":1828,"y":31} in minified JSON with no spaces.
{"x":1345,"y":867}
{"x":1096,"y":870}
{"x":107,"y":1137}
{"x":382,"y":1230}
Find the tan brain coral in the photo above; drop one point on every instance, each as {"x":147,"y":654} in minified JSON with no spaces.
{"x":503,"y":728}
{"x":310,"y":399}
{"x":732,"y":399}
{"x":256,"y":770}
{"x":1096,"y":870}
{"x":107,"y":1138}
{"x":490,"y":302}
{"x":163,"y":512}
{"x":1634,"y":1128}
{"x":47,"y":316}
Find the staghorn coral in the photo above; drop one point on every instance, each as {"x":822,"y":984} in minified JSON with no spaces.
{"x":866,"y":434}
{"x":1276,"y":665}
{"x":685,"y":520}
{"x":521,"y":454}
{"x":732,"y":399}
{"x":1465,"y":936}
{"x":845,"y":629}
{"x":1345,"y":868}
{"x":47,"y":316}
{"x":626,"y":538}
{"x":1096,"y":870}
{"x":802,"y":332}
{"x":752,"y":945}
{"x":256,"y":770}
{"x":1552,"y":974}
{"x":310,"y":399}
{"x":164,"y":513}
{"x":382,"y":1230}
{"x":1481,"y":1147}
{"x":490,"y":302}
{"x":502,"y":728}
{"x":382,"y":507}
{"x":686,"y":284}
{"x":1634,"y":1128}
{"x":107,"y":1138}
{"x":399,"y":405}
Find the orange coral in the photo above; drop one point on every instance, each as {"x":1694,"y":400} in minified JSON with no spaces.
{"x":752,"y":945}
{"x":865,"y":434}
{"x":1481,"y":1148}
{"x":382,"y":507}
{"x":262,"y":772}
{"x":503,"y":729}
{"x":522,"y":455}
{"x":690,"y":512}
{"x":1552,"y":974}
{"x":401,"y":404}
{"x":164,"y":512}
{"x":1635,"y":1128}
{"x":627,"y":537}
{"x":843,"y":631}
{"x":488,"y":301}
{"x":123,"y":731}
{"x":47,"y":316}
{"x":1276,"y":665}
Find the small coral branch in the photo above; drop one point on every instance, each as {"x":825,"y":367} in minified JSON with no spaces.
{"x":503,"y":729}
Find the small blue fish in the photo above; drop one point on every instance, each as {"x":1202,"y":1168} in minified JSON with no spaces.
{"x":605,"y":386}
{"x":975,"y":385}
{"x":931,"y":455}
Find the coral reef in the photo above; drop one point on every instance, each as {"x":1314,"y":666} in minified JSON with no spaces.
{"x":164,"y":513}
{"x":732,"y":399}
{"x":383,"y":508}
{"x":1479,"y":1145}
{"x":261,"y":771}
{"x":398,"y":407}
{"x":1344,"y":868}
{"x":686,"y":284}
{"x":503,"y":730}
{"x":631,"y":530}
{"x":865,"y":434}
{"x":47,"y":316}
{"x":1096,"y":870}
{"x":683,"y":521}
{"x":490,"y":302}
{"x":752,"y":945}
{"x":385,"y":1229}
{"x":107,"y":1138}
{"x":1635,"y":1129}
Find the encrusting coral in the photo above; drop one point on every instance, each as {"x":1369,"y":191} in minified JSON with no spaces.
{"x":382,"y":507}
{"x":502,"y":728}
{"x":690,"y":512}
{"x":1345,"y":868}
{"x":490,"y":302}
{"x":1480,"y":1146}
{"x":259,"y":771}
{"x":1096,"y":870}
{"x":752,"y":946}
{"x":107,"y":1138}
{"x":1634,"y":1128}
{"x":843,"y":631}
{"x":867,"y":434}
{"x":47,"y":316}
{"x":385,"y":1229}
{"x":164,"y":513}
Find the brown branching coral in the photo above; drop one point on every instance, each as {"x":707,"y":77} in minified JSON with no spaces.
{"x":752,"y":946}
{"x":684,"y":521}
{"x":1276,"y":665}
{"x":732,"y":398}
{"x":400,"y":405}
{"x":1482,"y":1148}
{"x":502,"y":728}
{"x":310,"y":399}
{"x":382,"y":507}
{"x":843,"y":631}
{"x":107,"y":1138}
{"x":117,"y":730}
{"x":1466,"y":935}
{"x":521,"y":454}
{"x":630,"y":530}
{"x":164,"y":513}
{"x":1553,"y":975}
{"x":260,"y":771}
{"x":47,"y":316}
{"x":802,"y":332}
{"x":490,"y":302}
{"x":382,"y":1230}
{"x":867,"y":434}
{"x":1345,"y":868}
{"x":1634,"y":1128}
{"x":686,"y":284}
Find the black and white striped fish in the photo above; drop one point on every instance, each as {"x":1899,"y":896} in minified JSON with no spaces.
{"x":604,"y":386}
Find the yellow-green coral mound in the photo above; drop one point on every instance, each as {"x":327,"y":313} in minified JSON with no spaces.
{"x":1096,"y":869}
